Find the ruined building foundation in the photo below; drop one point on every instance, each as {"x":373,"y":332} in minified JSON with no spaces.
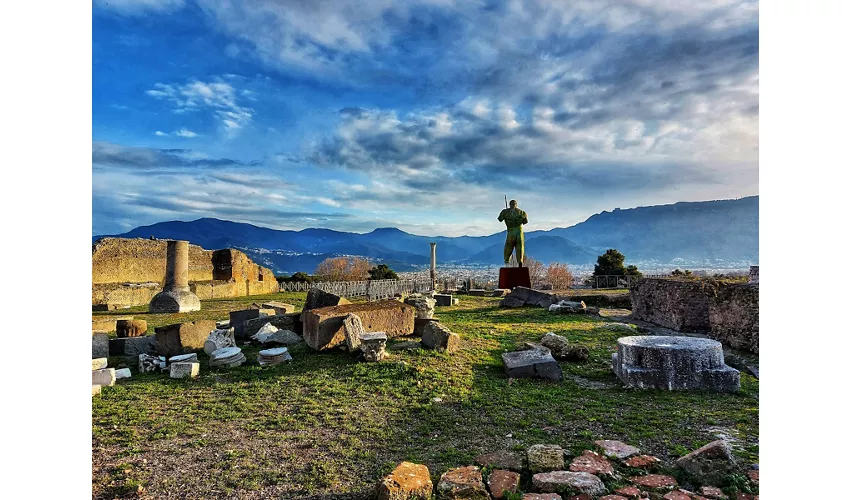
{"x":175,"y":296}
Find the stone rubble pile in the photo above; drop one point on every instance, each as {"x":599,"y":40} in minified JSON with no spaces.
{"x":148,"y":363}
{"x":273,"y":356}
{"x":591,"y":475}
{"x":218,"y":338}
{"x":227,"y":357}
{"x":270,"y":334}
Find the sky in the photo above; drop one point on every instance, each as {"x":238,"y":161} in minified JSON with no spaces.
{"x":421,"y":115}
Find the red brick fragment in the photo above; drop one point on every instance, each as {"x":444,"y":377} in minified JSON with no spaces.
{"x":592,"y":462}
{"x":676,"y":495}
{"x":655,"y":481}
{"x":712,"y":492}
{"x":629,"y":492}
{"x":642,"y":461}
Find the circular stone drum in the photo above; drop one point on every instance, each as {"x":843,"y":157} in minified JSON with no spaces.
{"x":673,"y":363}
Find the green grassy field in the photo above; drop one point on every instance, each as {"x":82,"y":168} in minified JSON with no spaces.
{"x":328,"y":424}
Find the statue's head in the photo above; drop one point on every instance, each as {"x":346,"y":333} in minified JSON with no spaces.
{"x":513,"y":203}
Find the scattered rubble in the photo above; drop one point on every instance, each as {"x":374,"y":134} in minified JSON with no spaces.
{"x":462,"y":482}
{"x":271,"y":335}
{"x":501,"y":482}
{"x":561,"y":349}
{"x":710,"y":464}
{"x":148,"y":363}
{"x":616,"y":449}
{"x":561,"y":480}
{"x":592,"y":462}
{"x":522,"y":296}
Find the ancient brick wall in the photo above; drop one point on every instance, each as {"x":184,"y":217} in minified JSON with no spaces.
{"x":678,"y":304}
{"x":121,"y":265}
{"x":734,"y":316}
{"x":139,"y":260}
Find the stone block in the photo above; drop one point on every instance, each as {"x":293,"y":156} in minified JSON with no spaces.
{"x":439,"y":337}
{"x":545,"y":457}
{"x":420,"y":324}
{"x":288,"y":321}
{"x":95,"y":390}
{"x":353,"y":330}
{"x":523,"y":296}
{"x":616,"y":449}
{"x":174,"y":301}
{"x":122,"y":373}
{"x":565,"y":481}
{"x":424,"y":305}
{"x":678,"y":304}
{"x":279,"y":307}
{"x":183,"y":338}
{"x":455,"y":301}
{"x":442,"y":299}
{"x":323,"y":327}
{"x":131,"y":328}
{"x":530,"y":364}
{"x":218,"y":338}
{"x":673,"y":363}
{"x":502,"y":481}
{"x":408,"y":481}
{"x":317,"y":299}
{"x":710,"y":464}
{"x":238,"y":318}
{"x":733,"y":316}
{"x":478,"y":292}
{"x":184,"y":370}
{"x":462,"y":482}
{"x":655,"y":481}
{"x":98,"y":363}
{"x":568,"y":307}
{"x":592,"y":462}
{"x":133,"y":346}
{"x":107,"y":324}
{"x":104,"y":376}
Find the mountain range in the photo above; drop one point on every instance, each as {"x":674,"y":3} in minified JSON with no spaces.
{"x":696,"y":233}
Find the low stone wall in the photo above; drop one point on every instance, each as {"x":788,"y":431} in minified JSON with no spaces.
{"x":734,"y":316}
{"x":678,"y":304}
{"x":130,"y":271}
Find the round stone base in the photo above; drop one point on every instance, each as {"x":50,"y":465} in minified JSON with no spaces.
{"x":174,"y":301}
{"x":673,"y":363}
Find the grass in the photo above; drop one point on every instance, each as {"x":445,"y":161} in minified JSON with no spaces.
{"x":328,"y":424}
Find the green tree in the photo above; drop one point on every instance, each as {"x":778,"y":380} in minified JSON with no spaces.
{"x":611,"y":264}
{"x":382,"y":272}
{"x":301,"y":276}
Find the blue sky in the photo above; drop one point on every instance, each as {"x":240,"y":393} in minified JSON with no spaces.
{"x":422,"y":115}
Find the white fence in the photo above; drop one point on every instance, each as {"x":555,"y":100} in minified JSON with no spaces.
{"x":372,"y":289}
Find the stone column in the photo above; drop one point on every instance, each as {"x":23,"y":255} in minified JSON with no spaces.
{"x":433,"y":266}
{"x":175,"y":296}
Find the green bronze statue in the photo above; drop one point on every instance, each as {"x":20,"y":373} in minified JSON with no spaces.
{"x":514,"y":218}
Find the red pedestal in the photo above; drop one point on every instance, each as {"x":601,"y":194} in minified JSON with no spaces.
{"x":510,"y":277}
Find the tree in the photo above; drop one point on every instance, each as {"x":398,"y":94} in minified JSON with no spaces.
{"x":536,"y":271}
{"x":300,"y":277}
{"x":382,"y":272}
{"x":559,"y":275}
{"x":611,"y":264}
{"x":343,"y":269}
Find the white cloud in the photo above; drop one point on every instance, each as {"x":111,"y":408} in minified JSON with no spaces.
{"x":218,"y":97}
{"x":185,"y":133}
{"x":136,"y":7}
{"x":160,"y":133}
{"x":329,"y":202}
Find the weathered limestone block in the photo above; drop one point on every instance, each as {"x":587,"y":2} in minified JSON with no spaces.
{"x":133,"y":346}
{"x":104,"y":376}
{"x":424,"y":305}
{"x":238,"y":319}
{"x":710,"y":464}
{"x":131,"y":328}
{"x":279,"y":307}
{"x":501,"y":482}
{"x":673,"y":363}
{"x":218,"y":338}
{"x":184,"y":370}
{"x":545,"y":457}
{"x":462,"y":482}
{"x":317,"y":299}
{"x":439,"y":337}
{"x":734,"y":316}
{"x":408,"y":481}
{"x":420,"y":324}
{"x":564,"y":481}
{"x":442,"y":299}
{"x":99,"y":345}
{"x":183,"y":338}
{"x":95,"y":390}
{"x":679,"y":304}
{"x":122,"y":373}
{"x":287,"y":321}
{"x":353,"y":330}
{"x":373,"y":346}
{"x":531,"y":363}
{"x":98,"y":363}
{"x":107,"y":324}
{"x":323,"y":327}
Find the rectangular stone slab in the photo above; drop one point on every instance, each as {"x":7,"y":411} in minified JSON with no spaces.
{"x":279,"y":307}
{"x":530,"y":364}
{"x":183,"y":338}
{"x":443,"y":299}
{"x":99,"y":345}
{"x":323,"y":327}
{"x":238,"y":318}
{"x":132,"y":346}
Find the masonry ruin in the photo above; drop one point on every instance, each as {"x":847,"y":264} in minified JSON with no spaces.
{"x":130,"y":271}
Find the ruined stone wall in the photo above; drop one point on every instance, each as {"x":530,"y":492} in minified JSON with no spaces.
{"x":139,"y":260}
{"x":130,"y":271}
{"x":734,"y":316}
{"x":678,"y":304}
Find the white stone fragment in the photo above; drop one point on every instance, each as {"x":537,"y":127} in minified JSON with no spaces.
{"x":184,"y":370}
{"x":122,"y":373}
{"x":98,"y":363}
